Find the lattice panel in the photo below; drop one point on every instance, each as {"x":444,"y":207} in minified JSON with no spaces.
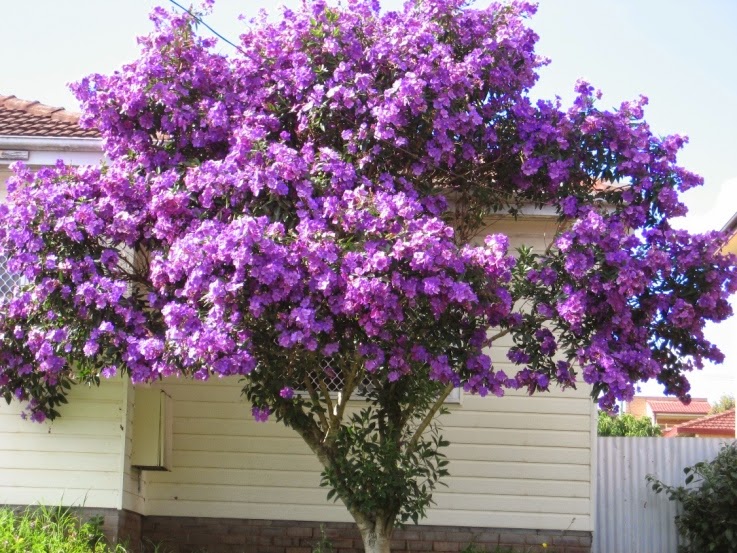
{"x":332,"y":377}
{"x":335,"y":383}
{"x":7,"y":280}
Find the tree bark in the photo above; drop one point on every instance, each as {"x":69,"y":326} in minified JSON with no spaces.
{"x":376,"y":534}
{"x":376,"y":538}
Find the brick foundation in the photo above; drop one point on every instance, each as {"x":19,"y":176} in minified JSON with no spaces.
{"x":230,"y":535}
{"x":119,"y":526}
{"x":211,"y":535}
{"x":129,"y":527}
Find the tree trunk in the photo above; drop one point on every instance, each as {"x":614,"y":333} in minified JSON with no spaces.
{"x":375,"y":539}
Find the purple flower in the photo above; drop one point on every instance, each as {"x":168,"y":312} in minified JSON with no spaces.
{"x":260,"y":414}
{"x":91,"y":347}
{"x":109,"y":371}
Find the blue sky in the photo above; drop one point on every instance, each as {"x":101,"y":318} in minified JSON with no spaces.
{"x":679,"y":53}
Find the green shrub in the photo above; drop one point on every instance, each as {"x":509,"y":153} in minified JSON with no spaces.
{"x":724,"y":403}
{"x":708,"y":522}
{"x":49,"y":530}
{"x":626,"y":424}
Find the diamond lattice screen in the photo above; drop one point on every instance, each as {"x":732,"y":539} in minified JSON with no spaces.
{"x":7,"y":280}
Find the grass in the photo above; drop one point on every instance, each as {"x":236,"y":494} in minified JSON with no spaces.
{"x":51,"y":530}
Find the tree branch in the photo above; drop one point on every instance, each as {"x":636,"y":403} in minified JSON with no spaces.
{"x":500,"y":334}
{"x":332,"y":415}
{"x":429,"y":417}
{"x":316,"y":400}
{"x":350,"y":385}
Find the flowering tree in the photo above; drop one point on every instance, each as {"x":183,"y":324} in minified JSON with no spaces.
{"x":300,"y":214}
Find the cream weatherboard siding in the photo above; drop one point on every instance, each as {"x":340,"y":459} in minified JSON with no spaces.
{"x":75,"y":460}
{"x":132,"y":483}
{"x":516,"y":462}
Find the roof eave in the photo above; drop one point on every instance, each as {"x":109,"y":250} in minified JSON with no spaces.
{"x":731,"y":225}
{"x":51,"y":143}
{"x":681,"y":414}
{"x":716,"y":432}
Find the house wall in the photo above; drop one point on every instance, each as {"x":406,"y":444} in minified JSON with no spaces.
{"x":45,"y":151}
{"x":668,"y":421}
{"x":74,"y":460}
{"x":132,"y":481}
{"x":638,"y":407}
{"x":515,"y":462}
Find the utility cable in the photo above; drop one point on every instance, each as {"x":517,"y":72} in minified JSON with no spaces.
{"x":200,"y":20}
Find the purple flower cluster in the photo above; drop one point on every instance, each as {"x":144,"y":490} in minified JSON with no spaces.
{"x":314,"y":197}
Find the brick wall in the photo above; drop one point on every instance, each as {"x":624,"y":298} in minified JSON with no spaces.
{"x":129,"y":527}
{"x":119,"y":526}
{"x":230,"y":535}
{"x":200,"y":535}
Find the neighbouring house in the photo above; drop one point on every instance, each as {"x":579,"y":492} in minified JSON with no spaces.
{"x":667,"y":411}
{"x":185,"y":464}
{"x":719,"y":425}
{"x":730,"y":246}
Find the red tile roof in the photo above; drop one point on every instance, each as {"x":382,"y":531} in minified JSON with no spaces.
{"x":698,"y":406}
{"x":23,"y":118}
{"x":721,"y":424}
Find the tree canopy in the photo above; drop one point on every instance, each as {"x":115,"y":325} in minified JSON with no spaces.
{"x":303,"y":210}
{"x":724,"y":403}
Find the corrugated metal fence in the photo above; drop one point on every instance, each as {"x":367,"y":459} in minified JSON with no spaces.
{"x":630,"y":518}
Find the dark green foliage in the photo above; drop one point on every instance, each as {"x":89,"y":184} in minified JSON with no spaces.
{"x":708,"y":521}
{"x":626,"y":425}
{"x":376,"y":465}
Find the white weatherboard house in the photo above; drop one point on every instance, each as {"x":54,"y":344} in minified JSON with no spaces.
{"x":184,"y":463}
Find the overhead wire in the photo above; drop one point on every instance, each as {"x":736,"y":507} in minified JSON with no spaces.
{"x":202,"y":22}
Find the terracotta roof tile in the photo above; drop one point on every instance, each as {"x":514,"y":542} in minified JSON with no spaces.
{"x":720,"y":423}
{"x":698,"y":406}
{"x":23,"y":118}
